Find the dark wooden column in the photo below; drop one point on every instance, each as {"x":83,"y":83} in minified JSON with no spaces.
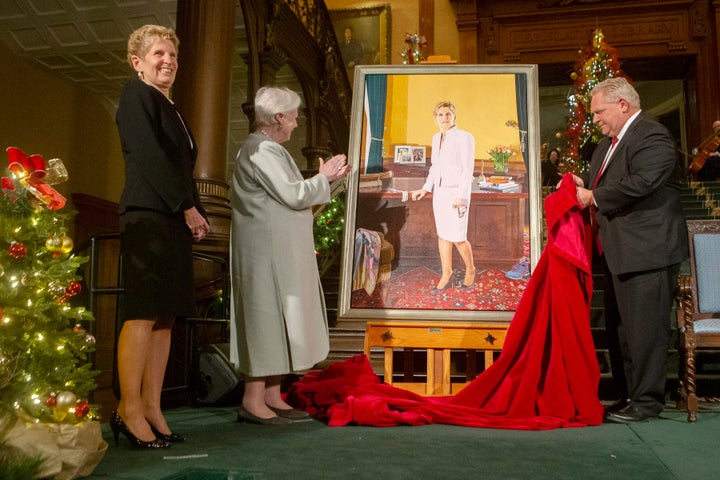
{"x":202,"y":87}
{"x":715,"y":106}
{"x":202,"y":93}
{"x":468,"y":25}
{"x":427,"y":24}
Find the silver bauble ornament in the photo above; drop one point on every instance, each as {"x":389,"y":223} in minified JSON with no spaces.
{"x":65,"y":399}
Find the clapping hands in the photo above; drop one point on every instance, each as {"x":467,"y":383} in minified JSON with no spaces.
{"x":335,"y":167}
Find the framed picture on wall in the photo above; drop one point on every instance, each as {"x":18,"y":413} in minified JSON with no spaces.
{"x":363,"y":35}
{"x":393,"y":266}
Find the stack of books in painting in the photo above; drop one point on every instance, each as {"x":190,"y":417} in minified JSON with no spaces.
{"x":499,"y":183}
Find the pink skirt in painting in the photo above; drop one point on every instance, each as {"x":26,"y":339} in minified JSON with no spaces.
{"x":451,"y":223}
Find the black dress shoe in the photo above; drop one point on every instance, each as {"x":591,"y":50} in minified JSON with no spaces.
{"x":630,"y":414}
{"x":618,"y":405}
{"x":290,"y":413}
{"x":245,"y":416}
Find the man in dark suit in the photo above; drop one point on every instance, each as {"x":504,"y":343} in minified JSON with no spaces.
{"x":632,"y":189}
{"x":351,"y":49}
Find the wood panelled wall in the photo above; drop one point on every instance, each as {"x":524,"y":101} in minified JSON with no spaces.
{"x":648,"y":32}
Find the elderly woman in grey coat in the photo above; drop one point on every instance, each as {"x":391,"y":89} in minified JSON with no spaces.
{"x":279,"y":318}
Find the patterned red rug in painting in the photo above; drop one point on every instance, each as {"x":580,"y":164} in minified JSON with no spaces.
{"x":414,"y":290}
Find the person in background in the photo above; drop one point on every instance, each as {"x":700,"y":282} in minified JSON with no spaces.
{"x":279,"y":321}
{"x":550,"y":175}
{"x":450,"y":179}
{"x":710,"y":171}
{"x":160,"y":217}
{"x":633,"y":190}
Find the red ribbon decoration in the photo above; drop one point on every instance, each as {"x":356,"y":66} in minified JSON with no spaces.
{"x":18,"y":162}
{"x":31,"y":169}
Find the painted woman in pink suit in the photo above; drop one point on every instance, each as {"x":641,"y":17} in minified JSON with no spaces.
{"x":450,"y":179}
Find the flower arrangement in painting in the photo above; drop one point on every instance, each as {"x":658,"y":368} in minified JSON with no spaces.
{"x":500,"y":155}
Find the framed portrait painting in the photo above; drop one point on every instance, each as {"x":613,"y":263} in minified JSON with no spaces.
{"x":452,"y":225}
{"x":363,"y":34}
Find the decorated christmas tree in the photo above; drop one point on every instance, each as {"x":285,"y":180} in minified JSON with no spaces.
{"x":329,"y":226}
{"x":328,"y":231}
{"x":597,"y":62}
{"x":45,"y":375}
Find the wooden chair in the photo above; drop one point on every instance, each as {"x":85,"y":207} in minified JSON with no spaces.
{"x":698,"y":315}
{"x":438,"y":339}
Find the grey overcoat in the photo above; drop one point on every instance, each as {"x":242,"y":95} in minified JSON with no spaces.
{"x":279,"y":321}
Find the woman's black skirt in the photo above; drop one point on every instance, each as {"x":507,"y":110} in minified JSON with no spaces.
{"x":157,"y":265}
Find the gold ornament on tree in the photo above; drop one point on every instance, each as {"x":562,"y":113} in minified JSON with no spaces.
{"x":54,"y":243}
{"x":67,"y":244}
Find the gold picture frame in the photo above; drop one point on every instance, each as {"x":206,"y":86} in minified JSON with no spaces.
{"x":390,"y":262}
{"x":371,"y":27}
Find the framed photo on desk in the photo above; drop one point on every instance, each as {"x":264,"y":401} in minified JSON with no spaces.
{"x":409,"y":154}
{"x":391,"y":264}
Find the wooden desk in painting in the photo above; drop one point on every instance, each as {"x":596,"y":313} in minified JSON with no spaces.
{"x":496,"y":224}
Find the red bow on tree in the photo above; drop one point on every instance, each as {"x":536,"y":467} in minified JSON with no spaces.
{"x":29,"y":170}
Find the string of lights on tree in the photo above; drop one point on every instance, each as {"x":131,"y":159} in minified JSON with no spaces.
{"x":597,"y":62}
{"x":45,"y":375}
{"x":329,"y":226}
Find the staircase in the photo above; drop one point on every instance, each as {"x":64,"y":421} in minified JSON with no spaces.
{"x":701,"y":199}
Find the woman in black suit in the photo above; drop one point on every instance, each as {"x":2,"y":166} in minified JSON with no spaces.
{"x":160,"y":216}
{"x":633,"y":190}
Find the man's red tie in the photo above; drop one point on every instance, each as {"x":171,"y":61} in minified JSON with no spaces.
{"x":605,"y":162}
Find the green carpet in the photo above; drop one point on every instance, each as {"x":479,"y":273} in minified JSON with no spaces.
{"x":220,"y":448}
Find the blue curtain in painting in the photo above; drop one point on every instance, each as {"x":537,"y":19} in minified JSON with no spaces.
{"x":375,"y":99}
{"x":522,"y":113}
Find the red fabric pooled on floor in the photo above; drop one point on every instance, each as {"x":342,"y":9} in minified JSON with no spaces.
{"x":546,"y":376}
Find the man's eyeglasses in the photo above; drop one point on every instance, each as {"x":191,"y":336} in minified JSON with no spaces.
{"x":461,"y":210}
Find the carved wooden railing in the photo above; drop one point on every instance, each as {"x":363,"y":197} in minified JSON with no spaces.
{"x":315,"y":18}
{"x":299,"y":33}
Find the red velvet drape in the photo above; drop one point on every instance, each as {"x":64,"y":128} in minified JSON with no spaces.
{"x":546,"y":376}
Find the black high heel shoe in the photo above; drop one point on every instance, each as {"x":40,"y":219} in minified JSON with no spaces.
{"x":448,"y":284}
{"x":118,"y":426}
{"x":168,"y":437}
{"x":436,"y":290}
